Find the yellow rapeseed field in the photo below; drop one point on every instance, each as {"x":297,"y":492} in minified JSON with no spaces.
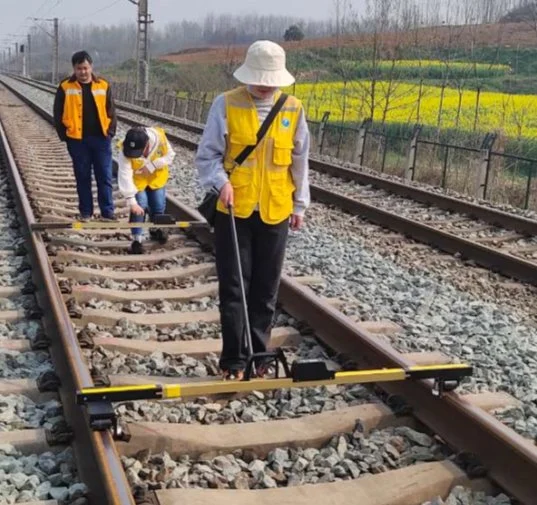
{"x":415,"y":67}
{"x":398,"y":102}
{"x":456,"y":65}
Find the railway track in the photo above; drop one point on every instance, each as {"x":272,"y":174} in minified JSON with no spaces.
{"x":500,"y":241}
{"x":155,"y":315}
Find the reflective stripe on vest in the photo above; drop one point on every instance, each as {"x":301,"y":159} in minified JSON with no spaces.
{"x":264,"y":178}
{"x":73,"y":106}
{"x":158,"y":178}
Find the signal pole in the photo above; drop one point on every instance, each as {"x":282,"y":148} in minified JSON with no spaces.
{"x":142,"y":52}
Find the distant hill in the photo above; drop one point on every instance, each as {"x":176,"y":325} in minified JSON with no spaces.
{"x":505,"y":34}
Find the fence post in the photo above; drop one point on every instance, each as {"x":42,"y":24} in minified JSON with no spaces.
{"x":412,"y":153}
{"x":170,"y":101}
{"x":339,"y":140}
{"x":384,"y":150}
{"x":128,"y":93}
{"x":484,"y":169}
{"x":321,"y":132}
{"x":132,"y":93}
{"x":189,"y":104}
{"x":200,"y":109}
{"x":153,"y":101}
{"x":444,"y":168}
{"x":120,"y":91}
{"x":528,"y":188}
{"x":181,"y":109}
{"x":359,"y":152}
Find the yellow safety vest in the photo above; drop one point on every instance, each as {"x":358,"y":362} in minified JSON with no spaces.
{"x":72,"y":109}
{"x":264,"y":178}
{"x":159,"y":177}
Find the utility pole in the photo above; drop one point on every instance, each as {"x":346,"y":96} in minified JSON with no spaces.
{"x":29,"y":56}
{"x":23,"y":52}
{"x":17,"y":59}
{"x":56,"y":55}
{"x":55,"y":47}
{"x":142,"y":52}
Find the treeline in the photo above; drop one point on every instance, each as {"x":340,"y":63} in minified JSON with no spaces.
{"x":114,"y":44}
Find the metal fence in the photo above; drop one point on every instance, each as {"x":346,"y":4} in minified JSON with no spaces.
{"x":192,"y":106}
{"x":480,"y":172}
{"x":477,"y":171}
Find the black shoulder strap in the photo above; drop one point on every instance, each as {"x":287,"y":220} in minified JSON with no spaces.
{"x":263,"y":130}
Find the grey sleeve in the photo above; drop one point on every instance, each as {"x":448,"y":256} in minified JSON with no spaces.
{"x":209,"y":159}
{"x":300,"y":166}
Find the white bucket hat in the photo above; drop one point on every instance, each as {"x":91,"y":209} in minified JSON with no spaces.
{"x":264,"y":66}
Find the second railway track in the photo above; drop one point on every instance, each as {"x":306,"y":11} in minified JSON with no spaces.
{"x":155,"y":315}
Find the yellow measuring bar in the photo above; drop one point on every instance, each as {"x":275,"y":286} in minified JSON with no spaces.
{"x":451,"y":372}
{"x":114,"y":225}
{"x":81,"y":225}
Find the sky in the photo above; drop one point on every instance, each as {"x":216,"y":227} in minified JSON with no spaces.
{"x":14,"y":23}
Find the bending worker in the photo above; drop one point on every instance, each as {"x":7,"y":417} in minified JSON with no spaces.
{"x":269,"y":193}
{"x":85,"y":118}
{"x":142,"y":176}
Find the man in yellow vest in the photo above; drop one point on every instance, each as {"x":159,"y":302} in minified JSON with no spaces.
{"x":85,"y":119}
{"x":143,"y":168}
{"x":269,"y":193}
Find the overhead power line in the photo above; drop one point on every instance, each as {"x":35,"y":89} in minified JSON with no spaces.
{"x":98,"y":11}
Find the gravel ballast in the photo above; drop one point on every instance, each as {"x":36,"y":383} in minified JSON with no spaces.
{"x":346,"y":456}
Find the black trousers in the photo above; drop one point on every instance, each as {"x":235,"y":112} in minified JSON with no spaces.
{"x":262,"y":252}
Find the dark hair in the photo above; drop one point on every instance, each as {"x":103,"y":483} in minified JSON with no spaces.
{"x":81,"y":57}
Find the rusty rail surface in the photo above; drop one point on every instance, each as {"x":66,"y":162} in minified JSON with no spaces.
{"x":98,"y":462}
{"x":510,"y":459}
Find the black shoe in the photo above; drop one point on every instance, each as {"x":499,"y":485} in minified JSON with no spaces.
{"x":232,"y":375}
{"x":160,"y":236}
{"x":136,"y":248}
{"x":265,"y":370}
{"x":112,"y":218}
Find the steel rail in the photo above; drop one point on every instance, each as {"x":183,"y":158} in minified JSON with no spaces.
{"x":97,"y":459}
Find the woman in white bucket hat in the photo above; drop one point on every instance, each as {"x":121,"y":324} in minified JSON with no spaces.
{"x":268,"y":189}
{"x":264,"y":66}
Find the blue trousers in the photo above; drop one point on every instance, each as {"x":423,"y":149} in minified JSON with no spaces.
{"x":96,"y":153}
{"x":153,"y":201}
